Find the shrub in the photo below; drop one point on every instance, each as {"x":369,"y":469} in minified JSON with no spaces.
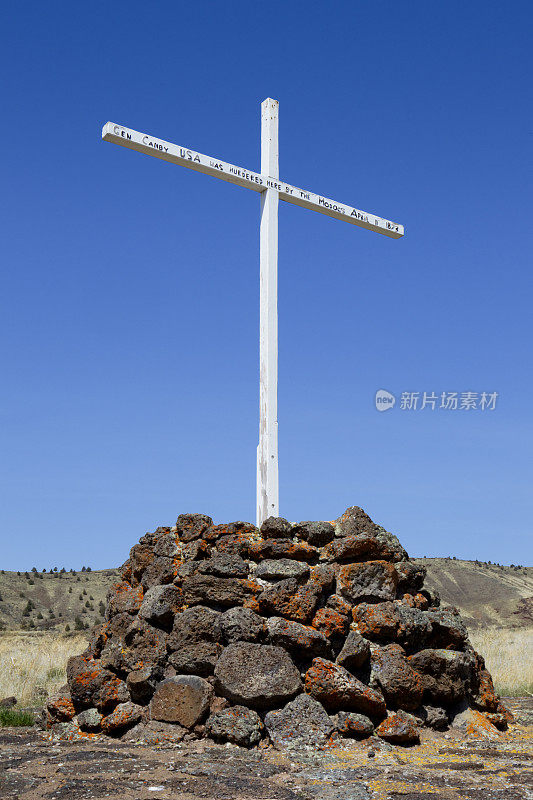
{"x":78,"y":624}
{"x":67,"y":628}
{"x":39,"y":615}
{"x":32,"y":583}
{"x":70,"y":589}
{"x":27,"y":610}
{"x":11,"y":718}
{"x":87,"y":604}
{"x":1,"y":598}
{"x":21,"y":594}
{"x":34,"y":569}
{"x":88,"y":569}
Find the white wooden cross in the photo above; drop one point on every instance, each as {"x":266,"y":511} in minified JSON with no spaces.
{"x":271,"y":189}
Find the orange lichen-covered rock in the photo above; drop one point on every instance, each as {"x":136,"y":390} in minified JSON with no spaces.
{"x":330,"y":623}
{"x":290,"y":600}
{"x":59,"y":707}
{"x":377,"y":622}
{"x":399,"y":728}
{"x":124,"y":599}
{"x":337,"y":689}
{"x":124,"y":716}
{"x":400,"y":684}
{"x":92,"y":685}
{"x":483,"y":694}
{"x":296,"y":638}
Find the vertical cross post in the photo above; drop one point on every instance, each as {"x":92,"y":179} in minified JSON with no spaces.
{"x":267,"y":451}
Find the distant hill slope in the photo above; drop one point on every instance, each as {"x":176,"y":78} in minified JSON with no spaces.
{"x":57,"y":599}
{"x":486,"y":595}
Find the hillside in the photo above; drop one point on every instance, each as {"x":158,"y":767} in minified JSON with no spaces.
{"x":56,"y":599}
{"x":486,"y":594}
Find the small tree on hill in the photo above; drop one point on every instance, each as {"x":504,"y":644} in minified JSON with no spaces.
{"x":67,"y":628}
{"x":78,"y":624}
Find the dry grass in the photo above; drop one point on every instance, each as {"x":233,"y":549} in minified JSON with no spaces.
{"x":508,"y":656}
{"x":29,"y":661}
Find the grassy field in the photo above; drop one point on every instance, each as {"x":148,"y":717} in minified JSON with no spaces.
{"x":33,"y":661}
{"x":508,"y":656}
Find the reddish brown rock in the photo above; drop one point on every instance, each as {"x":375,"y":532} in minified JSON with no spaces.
{"x":337,"y":689}
{"x":410,"y":577}
{"x":141,"y":556}
{"x":183,"y":699}
{"x":399,"y":728}
{"x":482,"y":689}
{"x":324,"y":576}
{"x":92,"y":685}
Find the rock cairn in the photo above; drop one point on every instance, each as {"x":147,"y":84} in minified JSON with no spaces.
{"x":294,"y":634}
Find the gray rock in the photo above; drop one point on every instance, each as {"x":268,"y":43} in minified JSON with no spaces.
{"x":367,"y":582}
{"x":198,"y":658}
{"x":400,"y":684}
{"x":160,"y":605}
{"x":280,"y":569}
{"x":301,"y":640}
{"x":256,"y":675}
{"x":238,"y":724}
{"x":275,"y":528}
{"x":242,"y":625}
{"x":317,"y":534}
{"x":302,"y":723}
{"x":445,"y":674}
{"x":212,"y":590}
{"x":192,"y":526}
{"x":435,"y":717}
{"x":410,"y":577}
{"x":195,"y":641}
{"x":141,"y":684}
{"x":90,"y":719}
{"x":355,"y":651}
{"x":355,"y":725}
{"x":183,"y":699}
{"x":224,"y":565}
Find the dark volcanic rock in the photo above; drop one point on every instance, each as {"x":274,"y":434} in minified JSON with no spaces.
{"x":355,"y":651}
{"x":302,"y":640}
{"x":248,"y":612}
{"x":302,"y":723}
{"x":243,"y":625}
{"x":400,"y":684}
{"x":192,"y":526}
{"x":370,"y":581}
{"x":446,"y":675}
{"x":237,"y":724}
{"x":316,"y":534}
{"x":255,"y":675}
{"x":275,"y":528}
{"x":281,"y":569}
{"x":160,"y":605}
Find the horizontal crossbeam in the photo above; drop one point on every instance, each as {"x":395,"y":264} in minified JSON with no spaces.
{"x":175,"y":154}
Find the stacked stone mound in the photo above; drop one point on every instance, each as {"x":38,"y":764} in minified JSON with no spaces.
{"x":291,"y":633}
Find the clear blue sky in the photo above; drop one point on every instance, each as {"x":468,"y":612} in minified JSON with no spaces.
{"x":129,"y":323}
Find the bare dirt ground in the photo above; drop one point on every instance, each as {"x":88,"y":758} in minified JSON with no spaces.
{"x":34,"y":765}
